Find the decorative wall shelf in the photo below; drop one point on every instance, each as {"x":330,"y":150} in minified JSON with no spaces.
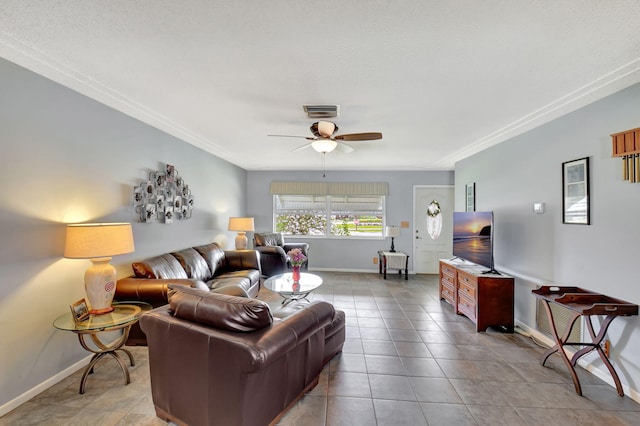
{"x":627,"y":145}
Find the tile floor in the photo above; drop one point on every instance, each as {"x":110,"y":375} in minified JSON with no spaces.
{"x":407,"y":360}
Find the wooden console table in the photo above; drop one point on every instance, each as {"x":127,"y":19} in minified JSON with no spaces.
{"x":587,"y":304}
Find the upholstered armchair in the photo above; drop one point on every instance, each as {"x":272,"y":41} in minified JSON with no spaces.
{"x":273,"y":252}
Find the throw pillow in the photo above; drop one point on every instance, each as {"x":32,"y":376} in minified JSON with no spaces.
{"x":219,"y":310}
{"x":160,"y":267}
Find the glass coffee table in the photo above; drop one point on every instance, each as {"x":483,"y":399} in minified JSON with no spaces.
{"x":123,"y":316}
{"x":283,"y":285}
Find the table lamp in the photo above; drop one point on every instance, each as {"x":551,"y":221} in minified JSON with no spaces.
{"x":392,"y":231}
{"x":98,"y":242}
{"x":242,"y":225}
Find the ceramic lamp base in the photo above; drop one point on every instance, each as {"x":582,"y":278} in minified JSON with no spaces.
{"x":241,"y":241}
{"x":100,"y":285}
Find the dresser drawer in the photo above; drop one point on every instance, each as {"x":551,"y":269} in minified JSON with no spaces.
{"x":468,"y":288}
{"x":448,"y":270}
{"x":448,"y":280}
{"x":447,"y":292}
{"x":467,"y":306}
{"x":468,"y":279}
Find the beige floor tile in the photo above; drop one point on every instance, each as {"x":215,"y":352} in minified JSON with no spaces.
{"x":408,"y":359}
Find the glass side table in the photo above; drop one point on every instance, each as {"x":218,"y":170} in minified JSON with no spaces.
{"x":123,"y":316}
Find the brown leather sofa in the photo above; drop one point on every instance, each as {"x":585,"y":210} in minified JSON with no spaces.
{"x":222,"y":360}
{"x":207,"y":267}
{"x":273,"y":252}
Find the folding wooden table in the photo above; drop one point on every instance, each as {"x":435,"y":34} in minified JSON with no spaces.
{"x":587,"y":304}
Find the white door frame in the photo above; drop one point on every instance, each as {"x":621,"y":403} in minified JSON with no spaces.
{"x":415,"y":219}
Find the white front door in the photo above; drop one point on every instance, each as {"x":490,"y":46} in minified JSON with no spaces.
{"x":427,"y":251}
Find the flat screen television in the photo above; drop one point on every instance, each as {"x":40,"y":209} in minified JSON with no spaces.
{"x":473,"y":237}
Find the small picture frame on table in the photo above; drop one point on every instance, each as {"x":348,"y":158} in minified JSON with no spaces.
{"x":79,"y":311}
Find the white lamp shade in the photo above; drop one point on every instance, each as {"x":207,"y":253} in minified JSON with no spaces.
{"x":392,"y":231}
{"x":91,"y":240}
{"x":241,"y":224}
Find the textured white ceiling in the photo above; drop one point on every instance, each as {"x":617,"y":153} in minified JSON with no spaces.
{"x":440,"y":79}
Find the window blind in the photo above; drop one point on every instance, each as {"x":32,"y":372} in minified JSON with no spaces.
{"x":330,"y":188}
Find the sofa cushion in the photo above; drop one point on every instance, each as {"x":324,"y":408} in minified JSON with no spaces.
{"x":160,"y":267}
{"x":194,"y":264}
{"x":273,"y":239}
{"x":219,"y":310}
{"x":212,"y":254}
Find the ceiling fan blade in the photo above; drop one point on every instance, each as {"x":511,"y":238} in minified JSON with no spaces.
{"x":343,"y":147}
{"x":359,"y":137}
{"x":300,"y":148}
{"x":309,"y":138}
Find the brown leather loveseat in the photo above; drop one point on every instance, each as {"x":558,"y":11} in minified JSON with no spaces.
{"x":207,"y":267}
{"x":222,"y":360}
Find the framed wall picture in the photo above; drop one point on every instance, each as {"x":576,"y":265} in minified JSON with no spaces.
{"x":79,"y":311}
{"x":575,"y":192}
{"x":470,"y":197}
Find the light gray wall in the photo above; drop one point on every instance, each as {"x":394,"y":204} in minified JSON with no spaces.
{"x":539,"y":249}
{"x":65,"y":158}
{"x":346,"y":254}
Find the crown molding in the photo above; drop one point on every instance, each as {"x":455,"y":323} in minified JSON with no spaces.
{"x":39,"y":62}
{"x":606,"y":85}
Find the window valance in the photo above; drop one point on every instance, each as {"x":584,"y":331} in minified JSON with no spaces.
{"x":330,"y":188}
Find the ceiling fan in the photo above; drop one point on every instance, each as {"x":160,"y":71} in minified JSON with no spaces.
{"x":325,"y":140}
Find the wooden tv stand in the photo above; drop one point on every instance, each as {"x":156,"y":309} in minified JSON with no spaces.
{"x":486,"y":299}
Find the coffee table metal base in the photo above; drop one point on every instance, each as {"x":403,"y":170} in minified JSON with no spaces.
{"x":283,"y":285}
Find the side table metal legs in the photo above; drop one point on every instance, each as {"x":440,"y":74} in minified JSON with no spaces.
{"x":104,"y":350}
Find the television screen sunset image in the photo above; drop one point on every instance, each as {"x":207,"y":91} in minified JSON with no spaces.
{"x":472,"y":237}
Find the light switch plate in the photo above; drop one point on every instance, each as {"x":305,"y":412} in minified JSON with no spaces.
{"x":538,"y":208}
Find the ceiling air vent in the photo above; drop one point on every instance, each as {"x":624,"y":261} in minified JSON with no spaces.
{"x":322,"y":111}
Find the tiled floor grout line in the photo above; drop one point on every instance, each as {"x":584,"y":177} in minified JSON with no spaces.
{"x":389,"y":344}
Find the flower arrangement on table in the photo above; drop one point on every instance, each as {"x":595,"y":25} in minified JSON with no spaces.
{"x":296,"y":259}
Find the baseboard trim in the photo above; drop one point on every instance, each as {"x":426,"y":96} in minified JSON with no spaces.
{"x":362,"y":271}
{"x":41,"y":387}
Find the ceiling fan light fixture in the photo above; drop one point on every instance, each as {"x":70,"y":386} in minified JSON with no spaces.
{"x":324,"y":145}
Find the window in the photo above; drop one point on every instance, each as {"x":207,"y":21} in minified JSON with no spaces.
{"x":330,"y":209}
{"x":333,"y":216}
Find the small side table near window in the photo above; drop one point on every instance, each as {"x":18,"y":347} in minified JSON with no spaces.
{"x":393,"y":260}
{"x":123,"y":316}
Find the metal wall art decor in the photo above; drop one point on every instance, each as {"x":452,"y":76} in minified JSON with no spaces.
{"x":163,"y":198}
